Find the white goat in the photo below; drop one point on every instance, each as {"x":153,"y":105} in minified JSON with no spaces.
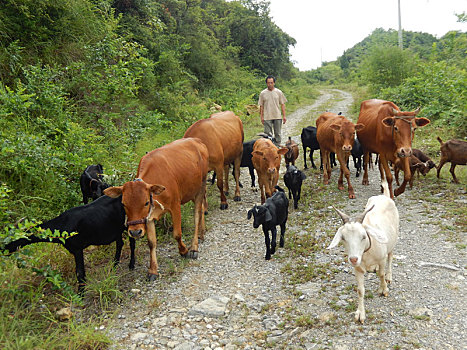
{"x":369,"y":240}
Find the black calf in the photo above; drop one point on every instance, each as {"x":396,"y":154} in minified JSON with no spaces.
{"x":310,"y":141}
{"x":100,"y":222}
{"x":357,"y":155}
{"x":91,"y":182}
{"x":293,"y":179}
{"x":273,"y":212}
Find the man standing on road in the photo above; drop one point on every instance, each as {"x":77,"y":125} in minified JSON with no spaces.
{"x":271,"y":103}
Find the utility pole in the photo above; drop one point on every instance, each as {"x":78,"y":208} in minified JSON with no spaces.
{"x":400,"y":25}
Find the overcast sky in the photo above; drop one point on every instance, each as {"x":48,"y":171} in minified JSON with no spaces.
{"x":323,"y":29}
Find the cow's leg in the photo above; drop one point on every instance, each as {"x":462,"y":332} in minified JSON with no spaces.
{"x":220,"y":186}
{"x":342,"y":161}
{"x":199,"y":222}
{"x":385,"y":170}
{"x":346,"y":172}
{"x":132,"y":253}
{"x":326,"y":166}
{"x":273,"y":239}
{"x":366,"y":161}
{"x":152,"y":244}
{"x":267,"y":241}
{"x":311,"y":159}
{"x":80,"y":272}
{"x":262,"y":186}
{"x":304,"y":156}
{"x":407,"y":175}
{"x":118,"y":250}
{"x":451,"y":170}
{"x":226,"y":179}
{"x":237,"y":162}
{"x":251,"y":169}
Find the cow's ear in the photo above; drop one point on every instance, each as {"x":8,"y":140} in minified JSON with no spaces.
{"x":114,"y":192}
{"x":258,"y":153}
{"x":335,"y":127}
{"x":337,"y":238}
{"x":283,"y":150}
{"x":422,"y":121}
{"x":359,"y":126}
{"x":389,"y":121}
{"x":156,"y":189}
{"x":268,"y":215}
{"x":303,"y":176}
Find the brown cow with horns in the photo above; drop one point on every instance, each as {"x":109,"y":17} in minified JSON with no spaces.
{"x":167,"y":177}
{"x":335,"y":133}
{"x":222,"y":134}
{"x":388,"y":132}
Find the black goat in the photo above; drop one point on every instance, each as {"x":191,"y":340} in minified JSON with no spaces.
{"x":293,"y":179}
{"x":273,"y":212}
{"x":357,"y":155}
{"x":100,"y":222}
{"x":91,"y":182}
{"x":310,"y":141}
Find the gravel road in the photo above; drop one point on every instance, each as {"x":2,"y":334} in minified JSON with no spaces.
{"x":305,"y":296}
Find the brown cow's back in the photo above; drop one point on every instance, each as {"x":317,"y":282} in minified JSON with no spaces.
{"x":222,"y":134}
{"x":180,"y":165}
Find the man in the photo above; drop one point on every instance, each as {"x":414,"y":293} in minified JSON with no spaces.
{"x":271,"y":104}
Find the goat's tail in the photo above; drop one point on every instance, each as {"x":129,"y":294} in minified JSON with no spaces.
{"x":279,"y":188}
{"x":440,"y":141}
{"x":385,"y":186}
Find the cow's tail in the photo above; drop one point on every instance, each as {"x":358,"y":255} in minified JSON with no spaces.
{"x":279,"y":188}
{"x":440,"y":141}
{"x":385,"y":186}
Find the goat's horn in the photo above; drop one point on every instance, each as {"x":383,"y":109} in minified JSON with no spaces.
{"x":362,"y":216}
{"x":345,"y":217}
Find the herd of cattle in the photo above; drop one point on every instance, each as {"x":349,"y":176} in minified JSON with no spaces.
{"x":176,"y":173}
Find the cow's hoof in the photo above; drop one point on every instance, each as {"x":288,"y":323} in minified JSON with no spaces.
{"x":224,"y":206}
{"x":351,"y":196}
{"x":365,"y":182}
{"x":192,"y":255}
{"x":237,"y":198}
{"x":267,"y":257}
{"x":397,"y":192}
{"x":131,"y":266}
{"x":152,"y":277}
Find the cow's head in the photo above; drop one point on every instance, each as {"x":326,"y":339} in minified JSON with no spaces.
{"x":403,"y":125}
{"x":271,"y":157}
{"x":260,"y":214}
{"x":346,"y":131}
{"x":139,"y":203}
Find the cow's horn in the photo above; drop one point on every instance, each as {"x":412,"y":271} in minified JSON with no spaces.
{"x":417,"y":111}
{"x":395,"y":111}
{"x":345,"y":217}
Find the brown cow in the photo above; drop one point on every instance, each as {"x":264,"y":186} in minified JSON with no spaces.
{"x":335,"y":133}
{"x":292,"y":153}
{"x":222,"y":133}
{"x":167,"y":177}
{"x":267,"y":160}
{"x":388,"y":132}
{"x":454,"y":151}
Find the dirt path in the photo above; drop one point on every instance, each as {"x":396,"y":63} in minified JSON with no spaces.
{"x":304,"y":297}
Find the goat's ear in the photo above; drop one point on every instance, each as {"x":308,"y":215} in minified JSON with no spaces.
{"x":250,"y":213}
{"x":376,"y":233}
{"x":114,"y":192}
{"x":335,"y":241}
{"x":268,"y":216}
{"x":303,"y":176}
